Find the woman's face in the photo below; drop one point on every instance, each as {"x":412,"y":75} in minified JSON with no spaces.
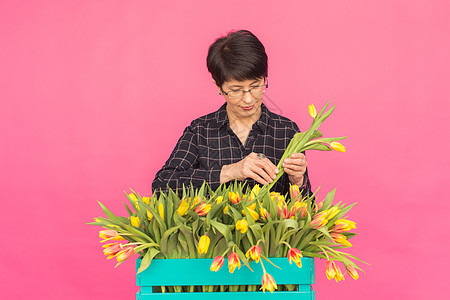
{"x":249,"y":104}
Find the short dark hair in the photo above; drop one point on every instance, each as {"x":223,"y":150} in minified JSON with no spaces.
{"x":239,"y":55}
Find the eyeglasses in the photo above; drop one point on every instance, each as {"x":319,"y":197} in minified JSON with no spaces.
{"x":255,"y":91}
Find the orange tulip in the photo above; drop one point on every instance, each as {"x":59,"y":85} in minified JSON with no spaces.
{"x":234,"y":197}
{"x":233,"y":261}
{"x":203,"y":209}
{"x":352,"y":272}
{"x":125,"y":254}
{"x":295,"y":255}
{"x":112,"y":249}
{"x":254,"y":252}
{"x":340,"y":239}
{"x":294,"y":191}
{"x":333,"y":271}
{"x":268,"y":283}
{"x":110,"y":235}
{"x":264,"y":213}
{"x":217,"y":263}
{"x":343,"y":225}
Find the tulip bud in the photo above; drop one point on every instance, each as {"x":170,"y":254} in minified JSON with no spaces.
{"x":254,"y":192}
{"x":161,"y":210}
{"x":149,"y":215}
{"x":294,"y":191}
{"x":312,"y":111}
{"x":125,"y":254}
{"x":343,"y":225}
{"x":340,"y":239}
{"x":203,"y":244}
{"x":217,"y":263}
{"x":352,"y":272}
{"x":134,"y":221}
{"x":203,"y":209}
{"x":337,"y":146}
{"x":234,"y":197}
{"x":110,"y":235}
{"x":112,"y":249}
{"x":183,"y":207}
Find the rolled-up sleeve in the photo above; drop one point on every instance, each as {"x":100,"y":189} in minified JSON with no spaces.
{"x":183,"y":167}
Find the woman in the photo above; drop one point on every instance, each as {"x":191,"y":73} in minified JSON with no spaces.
{"x":242,"y":140}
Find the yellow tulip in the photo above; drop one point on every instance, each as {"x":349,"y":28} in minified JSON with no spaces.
{"x":134,"y":221}
{"x":183,"y":207}
{"x":219,"y":199}
{"x":133,"y":197}
{"x":242,"y":225}
{"x":332,"y":212}
{"x":203,"y":244}
{"x":161,"y":210}
{"x":196,"y":200}
{"x":337,"y":146}
{"x":225,"y":210}
{"x":149,"y":215}
{"x":146,"y":200}
{"x":312,"y":111}
{"x":254,"y":192}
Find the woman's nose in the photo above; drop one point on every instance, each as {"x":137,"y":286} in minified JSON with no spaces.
{"x":247,"y":97}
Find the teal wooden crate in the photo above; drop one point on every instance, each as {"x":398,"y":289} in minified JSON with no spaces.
{"x":181,"y":272}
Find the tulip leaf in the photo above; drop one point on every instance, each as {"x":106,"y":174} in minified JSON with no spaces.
{"x":243,"y":258}
{"x":328,"y":200}
{"x":223,"y":229}
{"x":147,"y":259}
{"x":324,"y":230}
{"x":108,"y":213}
{"x":316,"y":134}
{"x":165,"y":238}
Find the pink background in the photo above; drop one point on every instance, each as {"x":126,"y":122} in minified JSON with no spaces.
{"x":95,"y":94}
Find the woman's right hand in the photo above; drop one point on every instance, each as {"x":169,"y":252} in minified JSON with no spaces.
{"x":261,"y":170}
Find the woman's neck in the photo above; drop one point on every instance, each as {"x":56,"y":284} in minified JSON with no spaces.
{"x":236,"y":122}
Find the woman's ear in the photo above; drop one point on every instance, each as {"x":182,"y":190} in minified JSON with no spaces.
{"x":218,"y":88}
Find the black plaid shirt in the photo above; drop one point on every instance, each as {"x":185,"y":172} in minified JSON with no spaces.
{"x":209,"y":143}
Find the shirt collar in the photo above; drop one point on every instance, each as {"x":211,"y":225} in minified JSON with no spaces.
{"x":222,"y":117}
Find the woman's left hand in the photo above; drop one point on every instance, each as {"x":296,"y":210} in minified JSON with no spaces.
{"x":295,"y":167}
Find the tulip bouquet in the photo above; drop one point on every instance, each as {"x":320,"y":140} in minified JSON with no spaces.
{"x":236,"y":222}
